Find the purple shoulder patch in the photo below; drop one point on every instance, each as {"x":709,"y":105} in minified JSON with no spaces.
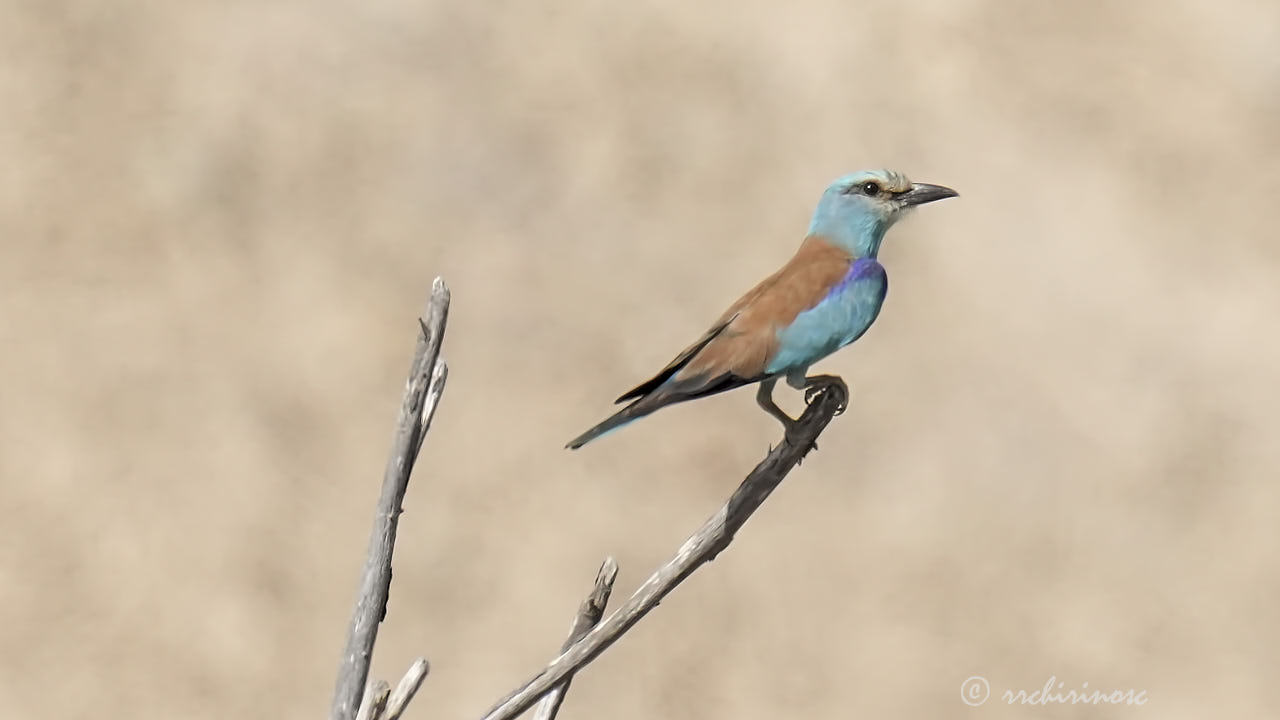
{"x":864,"y":267}
{"x":861,"y":269}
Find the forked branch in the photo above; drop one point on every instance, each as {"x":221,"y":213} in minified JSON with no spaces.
{"x":588,"y":637}
{"x":588,"y":616}
{"x":703,"y":546}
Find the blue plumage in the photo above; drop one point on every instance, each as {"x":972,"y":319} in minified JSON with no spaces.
{"x":840,"y":318}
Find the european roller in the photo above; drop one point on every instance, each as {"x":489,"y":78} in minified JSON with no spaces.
{"x":824,"y":298}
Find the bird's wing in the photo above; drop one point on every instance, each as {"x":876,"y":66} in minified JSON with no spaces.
{"x":674,"y":366}
{"x":739,"y":347}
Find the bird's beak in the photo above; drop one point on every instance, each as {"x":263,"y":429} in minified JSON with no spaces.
{"x":921,"y":193}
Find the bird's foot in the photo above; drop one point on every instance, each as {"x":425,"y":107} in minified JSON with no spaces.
{"x":817,"y":384}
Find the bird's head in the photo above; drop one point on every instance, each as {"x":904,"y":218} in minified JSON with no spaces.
{"x":857,"y":209}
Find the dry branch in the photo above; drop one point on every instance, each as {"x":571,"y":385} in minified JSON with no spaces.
{"x":589,"y":614}
{"x":427,"y":376}
{"x":405,"y":691}
{"x":714,"y":536}
{"x":375,"y":701}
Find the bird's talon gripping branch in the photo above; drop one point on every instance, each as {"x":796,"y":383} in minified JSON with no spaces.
{"x":818,"y":384}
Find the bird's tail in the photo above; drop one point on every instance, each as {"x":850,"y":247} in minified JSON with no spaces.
{"x":634,"y":411}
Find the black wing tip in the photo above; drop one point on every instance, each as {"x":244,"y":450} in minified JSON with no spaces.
{"x":647,"y":386}
{"x":675,"y":366}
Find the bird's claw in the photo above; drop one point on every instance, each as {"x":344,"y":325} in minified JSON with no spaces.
{"x":825,"y":384}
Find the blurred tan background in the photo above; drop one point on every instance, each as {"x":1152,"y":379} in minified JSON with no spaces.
{"x":220,"y":218}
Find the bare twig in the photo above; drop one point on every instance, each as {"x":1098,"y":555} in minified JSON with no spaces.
{"x":375,"y":700}
{"x":405,"y":691}
{"x":427,"y":376}
{"x":589,"y":614}
{"x":714,"y":536}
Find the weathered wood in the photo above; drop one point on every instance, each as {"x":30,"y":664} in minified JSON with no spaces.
{"x":375,"y":700}
{"x":589,"y":614}
{"x":703,"y":546}
{"x":427,"y":376}
{"x":405,"y":691}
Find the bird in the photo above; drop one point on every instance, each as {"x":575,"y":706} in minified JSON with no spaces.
{"x":823,"y":299}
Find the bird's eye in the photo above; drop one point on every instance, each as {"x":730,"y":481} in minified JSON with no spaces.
{"x":871,"y":189}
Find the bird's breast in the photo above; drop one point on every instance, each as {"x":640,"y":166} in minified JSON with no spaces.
{"x":844,"y":313}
